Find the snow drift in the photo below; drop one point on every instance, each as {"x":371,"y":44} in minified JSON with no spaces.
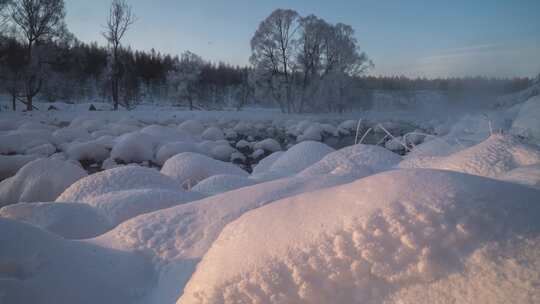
{"x":387,"y":238}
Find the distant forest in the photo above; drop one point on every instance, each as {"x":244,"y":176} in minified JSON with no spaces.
{"x":72,"y":71}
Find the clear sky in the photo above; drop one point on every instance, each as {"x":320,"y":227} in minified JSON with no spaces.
{"x":430,"y":38}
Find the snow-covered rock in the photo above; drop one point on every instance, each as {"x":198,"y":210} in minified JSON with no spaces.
{"x":90,"y":150}
{"x":359,"y":159}
{"x":70,"y":134}
{"x":213,"y":133}
{"x":71,"y":221}
{"x":41,"y":268}
{"x":527,"y":123}
{"x":10,"y":164}
{"x":267,"y":162}
{"x":223,"y":152}
{"x":348,"y":127}
{"x":134,"y":148}
{"x":527,"y":175}
{"x":269,"y":144}
{"x":46,"y":149}
{"x":313,"y":133}
{"x":41,"y":180}
{"x":119,"y":206}
{"x":300,"y":156}
{"x":491,"y":158}
{"x":192,"y":127}
{"x":220,"y":183}
{"x":176,"y":238}
{"x":123,"y":178}
{"x":387,"y":238}
{"x":166,"y":134}
{"x":19,"y":141}
{"x":171,"y":149}
{"x":190,"y":168}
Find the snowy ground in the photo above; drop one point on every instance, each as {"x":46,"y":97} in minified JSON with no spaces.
{"x":158,"y":205}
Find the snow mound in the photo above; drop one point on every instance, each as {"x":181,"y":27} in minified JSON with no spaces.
{"x":527,"y":175}
{"x":117,"y":179}
{"x":359,"y":159}
{"x":134,"y":148}
{"x":192,"y":127}
{"x":91,"y":150}
{"x":10,"y":164}
{"x":435,"y":146}
{"x":171,"y":149}
{"x":39,"y":267}
{"x":221,"y":183}
{"x":69,"y":134}
{"x":300,"y":156}
{"x":190,"y":168}
{"x":267,"y":162}
{"x":120,"y":206}
{"x":41,"y":180}
{"x":187,"y":231}
{"x":19,"y":141}
{"x":166,"y":134}
{"x":223,"y":152}
{"x":491,"y":158}
{"x":378,"y":237}
{"x":269,"y":144}
{"x":213,"y":133}
{"x":527,"y":123}
{"x":71,"y":221}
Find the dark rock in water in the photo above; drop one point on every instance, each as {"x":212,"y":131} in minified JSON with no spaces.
{"x":92,"y":108}
{"x":52,"y":108}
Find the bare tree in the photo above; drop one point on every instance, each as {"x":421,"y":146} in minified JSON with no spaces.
{"x":120,"y":19}
{"x":4,"y":15}
{"x":38,"y":21}
{"x":185,"y":78}
{"x":274,"y":48}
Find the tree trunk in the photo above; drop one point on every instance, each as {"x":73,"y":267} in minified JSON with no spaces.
{"x":14,"y":102}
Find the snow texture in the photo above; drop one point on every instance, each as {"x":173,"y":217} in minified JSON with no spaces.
{"x":123,"y":178}
{"x":70,"y":221}
{"x":377,"y":239}
{"x":190,"y":168}
{"x":41,"y":180}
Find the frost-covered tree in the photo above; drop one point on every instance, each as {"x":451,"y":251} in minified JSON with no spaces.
{"x":274,"y":52}
{"x":38,"y":21}
{"x":342,"y":63}
{"x":313,"y":38}
{"x":120,"y":19}
{"x":185,"y":78}
{"x":295,"y":57}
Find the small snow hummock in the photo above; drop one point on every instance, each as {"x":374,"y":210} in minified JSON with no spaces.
{"x":119,"y":206}
{"x":491,"y":158}
{"x":269,"y":144}
{"x":220,"y":183}
{"x":171,"y":149}
{"x":41,"y":180}
{"x":190,"y":168}
{"x":117,"y":179}
{"x":40,"y":267}
{"x":192,"y":127}
{"x":134,"y":147}
{"x":213,"y":133}
{"x":70,"y":221}
{"x":300,"y":156}
{"x":359,"y":159}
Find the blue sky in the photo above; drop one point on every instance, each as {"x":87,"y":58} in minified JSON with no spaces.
{"x":430,"y":38}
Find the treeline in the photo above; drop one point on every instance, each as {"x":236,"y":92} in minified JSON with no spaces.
{"x":78,"y":72}
{"x":494,"y":85}
{"x":301,"y":64}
